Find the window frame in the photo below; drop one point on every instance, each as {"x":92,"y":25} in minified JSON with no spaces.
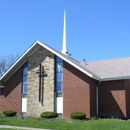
{"x":25,"y":80}
{"x":58,"y":80}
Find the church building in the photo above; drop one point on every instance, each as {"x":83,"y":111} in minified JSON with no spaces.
{"x":44,"y":79}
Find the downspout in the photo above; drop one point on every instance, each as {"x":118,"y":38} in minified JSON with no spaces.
{"x":97,"y":98}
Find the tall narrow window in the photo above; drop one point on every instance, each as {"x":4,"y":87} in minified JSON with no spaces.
{"x":25,"y":77}
{"x":59,"y":76}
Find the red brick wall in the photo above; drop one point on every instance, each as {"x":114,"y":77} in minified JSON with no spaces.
{"x":77,"y":91}
{"x":1,"y":100}
{"x":112,"y":99}
{"x":10,"y":97}
{"x":93,"y":84}
{"x":127,"y":88}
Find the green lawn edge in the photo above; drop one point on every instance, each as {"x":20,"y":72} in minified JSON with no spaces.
{"x":67,"y":124}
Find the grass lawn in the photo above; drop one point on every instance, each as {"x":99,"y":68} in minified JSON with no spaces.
{"x":67,"y":124}
{"x":7,"y":129}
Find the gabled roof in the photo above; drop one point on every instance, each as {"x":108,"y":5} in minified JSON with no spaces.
{"x":112,"y":69}
{"x":32,"y":49}
{"x":104,"y":70}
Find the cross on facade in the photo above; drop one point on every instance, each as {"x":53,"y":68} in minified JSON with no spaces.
{"x":40,"y":75}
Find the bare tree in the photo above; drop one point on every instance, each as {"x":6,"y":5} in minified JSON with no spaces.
{"x":6,"y":62}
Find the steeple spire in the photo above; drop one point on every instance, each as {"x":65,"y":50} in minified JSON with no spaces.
{"x":64,"y":48}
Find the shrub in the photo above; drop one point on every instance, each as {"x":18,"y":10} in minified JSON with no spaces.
{"x":9,"y":112}
{"x":94,"y":118}
{"x":48,"y":114}
{"x":78,"y":115}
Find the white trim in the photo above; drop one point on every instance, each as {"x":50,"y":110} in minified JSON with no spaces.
{"x":51,"y":50}
{"x":95,"y":77}
{"x":76,"y":66}
{"x":34,"y":51}
{"x":24,"y":105}
{"x":65,"y":59}
{"x":115,"y":78}
{"x":59,"y":104}
{"x":21,"y":64}
{"x":14,"y":71}
{"x":1,"y":86}
{"x":21,"y":58}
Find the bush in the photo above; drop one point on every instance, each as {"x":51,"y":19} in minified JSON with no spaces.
{"x":94,"y":118}
{"x":48,"y":114}
{"x":9,"y":113}
{"x":78,"y":115}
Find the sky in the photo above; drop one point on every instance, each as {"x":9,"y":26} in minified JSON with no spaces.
{"x":96,"y":29}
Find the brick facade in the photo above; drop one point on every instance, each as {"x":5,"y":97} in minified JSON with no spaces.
{"x":112,"y":99}
{"x":79,"y":92}
{"x":10,"y":97}
{"x":127,"y":89}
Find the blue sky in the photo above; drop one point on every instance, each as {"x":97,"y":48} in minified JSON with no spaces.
{"x":96,"y":29}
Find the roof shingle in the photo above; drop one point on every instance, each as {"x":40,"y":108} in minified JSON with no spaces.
{"x":111,"y":68}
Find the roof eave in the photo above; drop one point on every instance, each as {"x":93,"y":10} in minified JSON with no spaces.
{"x":68,"y":61}
{"x":17,"y":64}
{"x":24,"y":57}
{"x":115,"y":78}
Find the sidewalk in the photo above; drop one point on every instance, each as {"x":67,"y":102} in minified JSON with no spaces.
{"x":21,"y":128}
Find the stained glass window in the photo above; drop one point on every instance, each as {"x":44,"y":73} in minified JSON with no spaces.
{"x":59,"y":74}
{"x":25,"y":76}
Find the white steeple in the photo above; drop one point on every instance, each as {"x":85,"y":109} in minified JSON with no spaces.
{"x":64,"y":48}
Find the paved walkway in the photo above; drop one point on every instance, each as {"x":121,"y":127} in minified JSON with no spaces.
{"x":21,"y":128}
